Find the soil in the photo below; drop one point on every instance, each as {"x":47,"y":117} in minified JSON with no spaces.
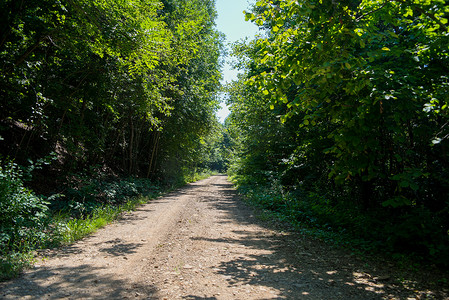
{"x":202,"y":242}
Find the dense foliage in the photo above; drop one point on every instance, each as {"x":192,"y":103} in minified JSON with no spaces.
{"x":23,"y":214}
{"x":344,"y":107}
{"x":127,"y":85}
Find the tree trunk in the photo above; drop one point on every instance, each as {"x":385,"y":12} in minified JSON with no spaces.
{"x":131,"y":144}
{"x":366,"y":195}
{"x":153,"y":152}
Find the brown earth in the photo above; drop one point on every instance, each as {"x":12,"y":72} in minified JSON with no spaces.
{"x":201,"y":242}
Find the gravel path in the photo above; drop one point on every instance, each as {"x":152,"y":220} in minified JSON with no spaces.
{"x":200,"y":242}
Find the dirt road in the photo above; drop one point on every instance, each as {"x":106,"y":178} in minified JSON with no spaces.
{"x":201,"y":242}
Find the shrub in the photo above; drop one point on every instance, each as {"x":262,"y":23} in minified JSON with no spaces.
{"x":23,"y":215}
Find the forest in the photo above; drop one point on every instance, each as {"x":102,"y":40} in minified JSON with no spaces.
{"x":338,"y":121}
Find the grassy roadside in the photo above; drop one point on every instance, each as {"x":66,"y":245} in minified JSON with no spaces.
{"x":66,"y":223}
{"x":283,"y":211}
{"x":63,"y":228}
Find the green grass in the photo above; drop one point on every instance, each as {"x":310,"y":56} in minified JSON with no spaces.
{"x":74,"y":229}
{"x":65,"y":230}
{"x":200,"y":176}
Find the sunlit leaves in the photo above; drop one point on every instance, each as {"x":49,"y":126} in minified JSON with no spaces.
{"x":100,"y":78}
{"x":356,"y":65}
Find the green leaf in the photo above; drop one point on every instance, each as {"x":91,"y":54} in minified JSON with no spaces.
{"x":398,"y":201}
{"x":249,"y":16}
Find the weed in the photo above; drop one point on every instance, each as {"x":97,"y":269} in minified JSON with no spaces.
{"x":12,"y":263}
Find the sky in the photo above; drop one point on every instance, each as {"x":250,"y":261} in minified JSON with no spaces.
{"x":231,"y":22}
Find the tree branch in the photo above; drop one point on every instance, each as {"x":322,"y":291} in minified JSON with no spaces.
{"x":371,"y":12}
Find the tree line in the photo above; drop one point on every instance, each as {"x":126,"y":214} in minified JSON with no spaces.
{"x":343,"y":110}
{"x":124,"y":85}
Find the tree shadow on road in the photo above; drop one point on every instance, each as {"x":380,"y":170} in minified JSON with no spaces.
{"x":198,"y":298}
{"x":81,"y":282}
{"x":118,"y":247}
{"x":295,"y":266}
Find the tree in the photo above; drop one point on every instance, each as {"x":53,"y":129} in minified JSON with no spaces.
{"x":357,"y":91}
{"x":105,"y":83}
{"x":369,"y":68}
{"x":196,"y":85}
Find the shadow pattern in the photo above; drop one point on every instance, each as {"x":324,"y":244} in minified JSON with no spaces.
{"x":80,"y":282}
{"x":296,"y":271}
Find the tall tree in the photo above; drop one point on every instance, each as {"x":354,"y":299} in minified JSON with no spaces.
{"x":358,"y":92}
{"x":97,"y":80}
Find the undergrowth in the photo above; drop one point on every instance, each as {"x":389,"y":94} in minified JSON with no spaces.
{"x":69,"y":229}
{"x":315,"y":215}
{"x":199,"y":176}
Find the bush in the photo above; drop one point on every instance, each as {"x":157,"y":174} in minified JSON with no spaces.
{"x":413,"y":232}
{"x":13,"y":263}
{"x":23,"y":215}
{"x":91,"y":192}
{"x":23,"y":221}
